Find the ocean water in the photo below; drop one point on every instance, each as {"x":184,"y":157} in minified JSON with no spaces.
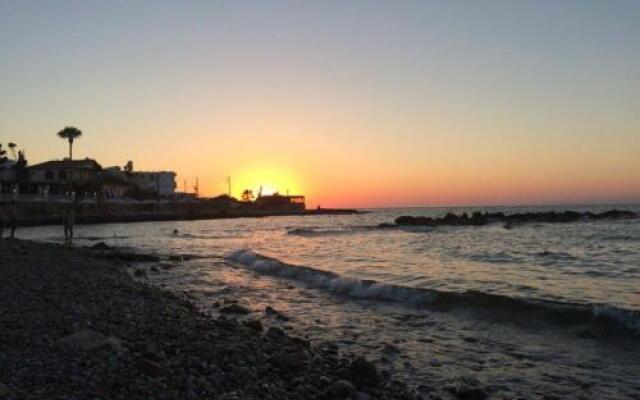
{"x":537,"y":310}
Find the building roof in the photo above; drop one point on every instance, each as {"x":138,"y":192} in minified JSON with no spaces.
{"x":87,"y":164}
{"x":152,"y":172}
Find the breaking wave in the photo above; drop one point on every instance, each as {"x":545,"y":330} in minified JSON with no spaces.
{"x":611,"y":318}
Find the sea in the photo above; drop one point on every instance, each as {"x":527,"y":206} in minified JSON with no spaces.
{"x":528,"y":311}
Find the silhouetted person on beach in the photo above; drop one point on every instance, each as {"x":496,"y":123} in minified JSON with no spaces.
{"x":13,"y":218}
{"x":68,"y":221}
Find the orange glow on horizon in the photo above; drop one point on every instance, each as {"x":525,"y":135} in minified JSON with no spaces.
{"x":270,"y":179}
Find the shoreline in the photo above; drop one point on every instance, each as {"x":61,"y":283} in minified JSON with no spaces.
{"x":159,"y":217}
{"x":76,"y":324}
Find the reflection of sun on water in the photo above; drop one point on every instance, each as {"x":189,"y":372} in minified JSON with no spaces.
{"x":270,"y":179}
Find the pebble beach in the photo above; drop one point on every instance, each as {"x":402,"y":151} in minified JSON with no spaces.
{"x":75,"y":324}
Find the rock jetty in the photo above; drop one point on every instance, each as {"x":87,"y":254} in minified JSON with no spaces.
{"x":75,"y":325}
{"x":484,"y":218}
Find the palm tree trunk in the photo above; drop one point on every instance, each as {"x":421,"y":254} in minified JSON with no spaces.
{"x":70,"y":149}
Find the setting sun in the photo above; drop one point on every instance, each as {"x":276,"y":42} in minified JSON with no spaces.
{"x":271,"y":179}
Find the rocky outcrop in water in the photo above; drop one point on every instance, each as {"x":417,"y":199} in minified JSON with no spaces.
{"x":484,"y":218}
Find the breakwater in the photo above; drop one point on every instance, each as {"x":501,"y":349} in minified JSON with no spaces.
{"x":484,"y":218}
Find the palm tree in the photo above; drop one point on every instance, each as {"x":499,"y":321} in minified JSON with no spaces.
{"x":128,"y":168}
{"x":247,"y":195}
{"x":70,"y":133}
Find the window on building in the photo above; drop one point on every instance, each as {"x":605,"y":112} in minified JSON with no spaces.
{"x":62,"y":175}
{"x":48,"y":175}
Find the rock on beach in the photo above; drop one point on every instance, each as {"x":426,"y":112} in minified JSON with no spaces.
{"x":88,"y":340}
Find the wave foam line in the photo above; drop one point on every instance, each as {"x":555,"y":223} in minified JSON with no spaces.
{"x":360,"y":289}
{"x":500,"y":306}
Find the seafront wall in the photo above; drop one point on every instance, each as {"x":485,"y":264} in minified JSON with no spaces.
{"x":32,"y":213}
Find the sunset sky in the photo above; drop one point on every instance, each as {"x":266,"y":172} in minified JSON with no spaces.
{"x":361,"y":103}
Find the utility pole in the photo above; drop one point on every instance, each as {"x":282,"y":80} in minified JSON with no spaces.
{"x":229,"y":184}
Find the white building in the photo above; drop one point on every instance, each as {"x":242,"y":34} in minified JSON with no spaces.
{"x":161,"y":182}
{"x":65,"y":172}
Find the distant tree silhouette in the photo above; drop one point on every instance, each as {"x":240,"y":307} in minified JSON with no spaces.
{"x":247,"y":195}
{"x":21,"y":161}
{"x":128,"y":168}
{"x":3,"y":153}
{"x":70,"y":133}
{"x":21,"y":168}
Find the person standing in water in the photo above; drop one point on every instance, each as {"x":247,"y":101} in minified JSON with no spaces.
{"x":68,"y":221}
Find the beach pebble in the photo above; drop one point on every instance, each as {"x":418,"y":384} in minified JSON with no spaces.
{"x":148,"y":367}
{"x":363,"y":373}
{"x":362,"y":396}
{"x":116,"y":344}
{"x":470,"y":394}
{"x":390,"y":349}
{"x":272,"y":312}
{"x":254,"y":324}
{"x":4,"y":390}
{"x":275,"y":333}
{"x":290,"y":360}
{"x":340,"y":390}
{"x":84,"y":341}
{"x":235,"y":309}
{"x":467,"y":388}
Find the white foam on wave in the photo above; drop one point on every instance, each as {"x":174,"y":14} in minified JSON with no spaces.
{"x":372,"y":290}
{"x":330,"y":281}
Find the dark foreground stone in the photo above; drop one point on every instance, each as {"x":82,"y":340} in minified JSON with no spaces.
{"x":73,"y":326}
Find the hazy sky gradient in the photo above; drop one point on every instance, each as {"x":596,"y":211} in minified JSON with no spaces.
{"x":355,"y":104}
